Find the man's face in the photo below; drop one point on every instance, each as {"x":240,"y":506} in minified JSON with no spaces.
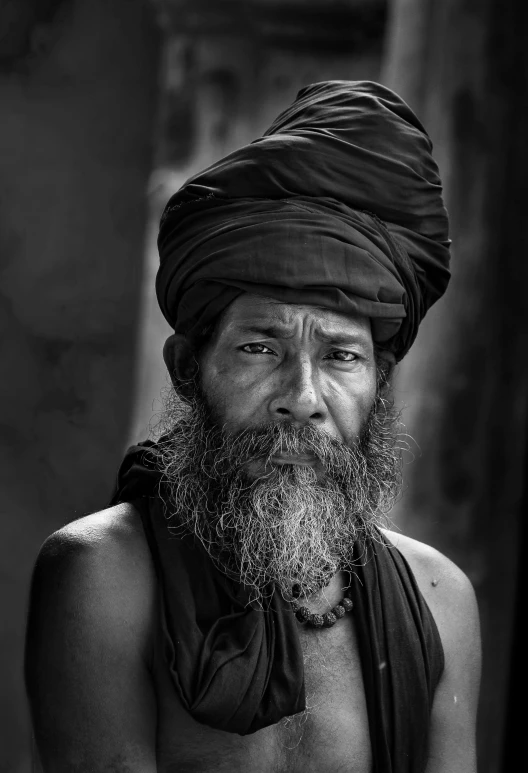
{"x":271,"y":362}
{"x":283,"y":452}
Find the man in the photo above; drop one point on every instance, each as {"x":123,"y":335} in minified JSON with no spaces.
{"x":240,"y":606}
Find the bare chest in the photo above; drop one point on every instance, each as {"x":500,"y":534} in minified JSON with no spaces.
{"x":331,"y":736}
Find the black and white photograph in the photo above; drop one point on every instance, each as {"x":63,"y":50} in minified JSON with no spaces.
{"x":263,"y":386}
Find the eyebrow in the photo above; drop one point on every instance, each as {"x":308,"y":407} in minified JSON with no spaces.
{"x":326,"y":336}
{"x":270,"y":331}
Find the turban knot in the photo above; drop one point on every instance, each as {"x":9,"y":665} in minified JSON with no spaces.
{"x":338,"y":204}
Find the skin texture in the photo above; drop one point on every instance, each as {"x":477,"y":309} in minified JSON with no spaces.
{"x":271,"y":361}
{"x":99,"y":698}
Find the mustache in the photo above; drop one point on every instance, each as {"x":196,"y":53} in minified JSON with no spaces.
{"x":267,"y":441}
{"x":269,"y":524}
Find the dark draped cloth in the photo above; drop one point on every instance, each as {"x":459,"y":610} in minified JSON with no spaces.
{"x":339,"y":205}
{"x":240,"y":669}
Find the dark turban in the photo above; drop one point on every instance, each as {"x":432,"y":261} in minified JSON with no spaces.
{"x":339,"y":204}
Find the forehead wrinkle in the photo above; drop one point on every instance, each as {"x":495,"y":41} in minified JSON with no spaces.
{"x":280,"y":320}
{"x":267,"y":329}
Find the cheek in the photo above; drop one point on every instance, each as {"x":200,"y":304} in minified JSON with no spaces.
{"x":234,"y":398}
{"x":350,"y":407}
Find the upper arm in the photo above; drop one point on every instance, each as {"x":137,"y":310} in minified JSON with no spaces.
{"x":87,"y":676}
{"x":452,"y":747}
{"x":451,"y":599}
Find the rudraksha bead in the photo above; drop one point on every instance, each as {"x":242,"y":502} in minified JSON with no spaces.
{"x":329,"y":619}
{"x":303,"y":614}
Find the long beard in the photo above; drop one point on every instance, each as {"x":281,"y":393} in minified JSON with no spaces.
{"x":292,"y":525}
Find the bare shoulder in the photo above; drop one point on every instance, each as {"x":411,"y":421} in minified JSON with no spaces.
{"x":89,"y":646}
{"x":112,"y":538}
{"x":101,"y":565}
{"x":115,"y":529}
{"x":443,"y":584}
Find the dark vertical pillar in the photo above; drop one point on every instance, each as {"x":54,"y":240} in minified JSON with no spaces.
{"x":78,"y":96}
{"x":465,"y":380}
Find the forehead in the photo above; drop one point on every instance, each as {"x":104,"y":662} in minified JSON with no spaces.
{"x":251,"y":311}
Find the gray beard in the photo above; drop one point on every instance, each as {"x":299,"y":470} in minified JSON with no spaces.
{"x":291,"y":526}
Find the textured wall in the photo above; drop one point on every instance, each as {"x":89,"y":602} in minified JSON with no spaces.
{"x":78,"y":96}
{"x":463,"y":66}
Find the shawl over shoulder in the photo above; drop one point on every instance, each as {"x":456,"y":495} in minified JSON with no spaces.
{"x":240,"y":669}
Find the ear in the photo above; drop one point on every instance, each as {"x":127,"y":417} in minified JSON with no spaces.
{"x":388,"y":361}
{"x":178,"y":354}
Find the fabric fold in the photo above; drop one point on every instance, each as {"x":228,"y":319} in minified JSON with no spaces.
{"x":339,"y":204}
{"x":240,"y":669}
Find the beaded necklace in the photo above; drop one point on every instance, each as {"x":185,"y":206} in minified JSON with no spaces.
{"x":315,"y":620}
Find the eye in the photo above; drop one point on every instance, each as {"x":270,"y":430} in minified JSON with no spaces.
{"x":256,"y":349}
{"x":342,"y":356}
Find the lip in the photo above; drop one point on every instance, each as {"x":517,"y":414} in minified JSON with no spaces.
{"x":304,"y":461}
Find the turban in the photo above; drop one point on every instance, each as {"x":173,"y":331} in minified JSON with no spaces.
{"x":339,"y":204}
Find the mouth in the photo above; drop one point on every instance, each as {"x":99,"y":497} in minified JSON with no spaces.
{"x":260,"y":468}
{"x":303,"y":460}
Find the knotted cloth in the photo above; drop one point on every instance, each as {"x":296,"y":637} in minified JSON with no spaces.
{"x":240,"y":669}
{"x":339,"y":205}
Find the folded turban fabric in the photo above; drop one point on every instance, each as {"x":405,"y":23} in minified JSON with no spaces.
{"x":339,"y":205}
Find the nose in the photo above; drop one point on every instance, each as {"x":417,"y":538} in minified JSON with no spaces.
{"x":298,"y":397}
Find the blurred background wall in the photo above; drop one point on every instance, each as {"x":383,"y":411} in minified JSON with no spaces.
{"x":106,"y":108}
{"x":77,"y":101}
